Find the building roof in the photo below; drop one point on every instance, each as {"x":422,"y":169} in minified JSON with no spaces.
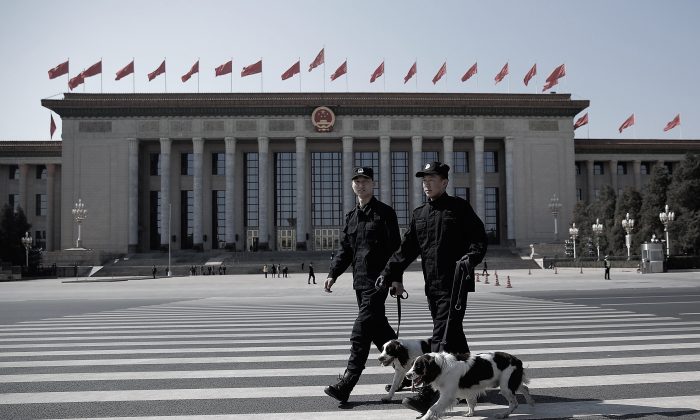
{"x":30,"y":148}
{"x":76,"y":105}
{"x":644,"y":146}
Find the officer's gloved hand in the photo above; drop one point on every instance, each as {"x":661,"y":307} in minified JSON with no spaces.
{"x":397,"y":290}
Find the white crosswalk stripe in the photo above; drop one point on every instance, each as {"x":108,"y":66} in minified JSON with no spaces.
{"x":209,"y":359}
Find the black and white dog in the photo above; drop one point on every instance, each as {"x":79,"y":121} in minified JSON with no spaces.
{"x":400,"y":354}
{"x":468,"y":376}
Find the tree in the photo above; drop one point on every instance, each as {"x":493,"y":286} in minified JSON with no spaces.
{"x":653,"y":202}
{"x":13,"y":225}
{"x":684,"y":199}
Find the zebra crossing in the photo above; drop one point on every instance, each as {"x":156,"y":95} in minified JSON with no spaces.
{"x":215,"y":358}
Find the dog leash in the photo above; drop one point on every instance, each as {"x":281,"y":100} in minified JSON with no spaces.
{"x":380,"y":284}
{"x":461,"y":271}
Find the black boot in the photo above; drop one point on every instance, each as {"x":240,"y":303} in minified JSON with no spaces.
{"x":341,"y":391}
{"x":422,"y":401}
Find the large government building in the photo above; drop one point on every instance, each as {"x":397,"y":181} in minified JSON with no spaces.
{"x":252,"y":172}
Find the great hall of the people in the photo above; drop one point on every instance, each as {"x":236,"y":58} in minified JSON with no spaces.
{"x":258,"y":171}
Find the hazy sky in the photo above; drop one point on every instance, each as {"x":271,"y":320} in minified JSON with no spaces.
{"x":625,"y":56}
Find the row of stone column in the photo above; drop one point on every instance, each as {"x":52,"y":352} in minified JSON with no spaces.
{"x":301,"y":169}
{"x":24,"y":170}
{"x":612,"y":170}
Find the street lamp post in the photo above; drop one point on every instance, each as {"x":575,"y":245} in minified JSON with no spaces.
{"x":27,"y":242}
{"x":666,"y":218}
{"x":554,"y":206}
{"x":597,"y":231}
{"x":628,"y":225}
{"x":79,"y":214}
{"x":573,"y":231}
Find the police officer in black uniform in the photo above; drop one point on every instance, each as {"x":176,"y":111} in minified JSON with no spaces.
{"x":371,"y":235}
{"x":443,"y":231}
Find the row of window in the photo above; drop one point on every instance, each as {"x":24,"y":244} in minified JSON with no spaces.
{"x":218,"y":162}
{"x":622,"y":168}
{"x":41,"y":203}
{"x":40,"y":172}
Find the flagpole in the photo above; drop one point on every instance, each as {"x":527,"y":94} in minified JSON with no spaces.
{"x":133,"y":76}
{"x":231,"y":74}
{"x":347,"y":89}
{"x":299,"y":74}
{"x":416,"y":74}
{"x":68,"y":72}
{"x":165,"y":76}
{"x":197,"y":74}
{"x":261,"y":76}
{"x":324,"y":69}
{"x":384,"y":73}
{"x":100,"y":74}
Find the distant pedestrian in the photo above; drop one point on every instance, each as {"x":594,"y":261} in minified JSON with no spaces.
{"x":302,"y":266}
{"x":606,"y":264}
{"x":154,"y":270}
{"x":273,"y":270}
{"x":485,"y":271}
{"x":223,"y":267}
{"x":265,"y":270}
{"x":209,"y":270}
{"x":285,"y":270}
{"x":312,"y":276}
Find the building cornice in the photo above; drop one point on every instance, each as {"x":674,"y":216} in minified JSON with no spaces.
{"x":643,"y":146}
{"x":30,"y":148}
{"x":89,"y":105}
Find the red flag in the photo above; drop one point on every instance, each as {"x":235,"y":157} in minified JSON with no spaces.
{"x":76,"y":81}
{"x":581,"y":121}
{"x":411,"y":72}
{"x":440,"y":73}
{"x":377,"y":73}
{"x":225,"y":68}
{"x":295,"y":69}
{"x":254,"y":68}
{"x":471,"y":72}
{"x":343,"y":69}
{"x":52,"y":127}
{"x":530,"y":74}
{"x":127,"y":70}
{"x":502,"y":74}
{"x":93,"y":70}
{"x":195,"y":69}
{"x":157,"y":72}
{"x":59,"y":70}
{"x":674,"y":122}
{"x":628,"y":123}
{"x":320,"y":59}
{"x":553,"y":78}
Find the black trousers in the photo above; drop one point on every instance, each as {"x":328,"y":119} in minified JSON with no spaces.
{"x":456,"y":341}
{"x":371,"y":326}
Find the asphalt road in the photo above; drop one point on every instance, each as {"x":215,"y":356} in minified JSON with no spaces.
{"x":244,"y":347}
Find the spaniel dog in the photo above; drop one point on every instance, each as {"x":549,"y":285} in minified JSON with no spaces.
{"x":467,"y":376}
{"x":400,"y":354}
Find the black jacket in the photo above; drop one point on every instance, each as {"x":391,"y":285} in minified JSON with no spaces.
{"x":441,"y":232}
{"x":371,"y":235}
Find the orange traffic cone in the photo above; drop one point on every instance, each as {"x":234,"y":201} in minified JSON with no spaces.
{"x":486,"y":281}
{"x":497,"y":283}
{"x":508,"y":285}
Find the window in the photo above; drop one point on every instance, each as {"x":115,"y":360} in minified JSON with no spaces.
{"x":41,"y":172}
{"x":598,"y":168}
{"x":578,"y":168}
{"x":461,"y":162}
{"x":218,"y":164}
{"x":579,"y":194}
{"x":645,"y":168}
{"x":154,"y":166}
{"x":491,"y":162}
{"x":40,"y":239}
{"x":186,"y":164}
{"x":622,"y":168}
{"x":491,"y":214}
{"x":14,"y":171}
{"x":326,"y":189}
{"x":251,"y":189}
{"x":399,"y":185}
{"x":155,"y":225}
{"x":187,"y":218}
{"x":462,"y":192}
{"x":285,"y":189}
{"x":41,"y":205}
{"x":430,"y":157}
{"x":13,"y":201}
{"x":369,"y":160}
{"x":218,"y":217}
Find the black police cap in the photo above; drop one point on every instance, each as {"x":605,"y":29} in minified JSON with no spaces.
{"x":363,"y":171}
{"x":434,"y":168}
